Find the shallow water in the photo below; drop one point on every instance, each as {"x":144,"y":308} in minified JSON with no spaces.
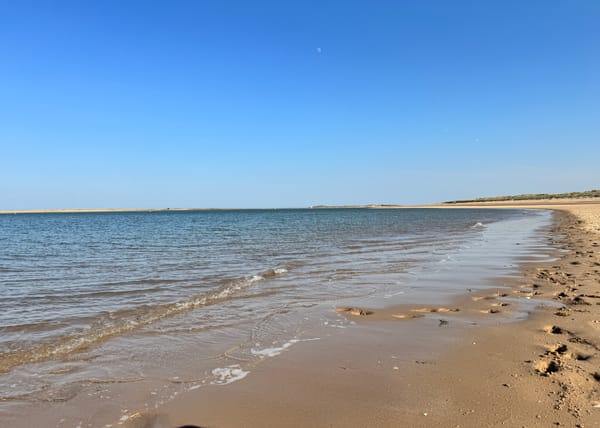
{"x":169,"y":301}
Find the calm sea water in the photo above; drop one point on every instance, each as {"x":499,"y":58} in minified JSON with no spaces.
{"x":194,"y":297}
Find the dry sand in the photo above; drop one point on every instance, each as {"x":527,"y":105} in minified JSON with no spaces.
{"x":459,"y":368}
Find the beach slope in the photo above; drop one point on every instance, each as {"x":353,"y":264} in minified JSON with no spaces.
{"x":540,"y":371}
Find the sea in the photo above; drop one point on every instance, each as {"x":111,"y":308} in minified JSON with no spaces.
{"x":128,"y":310}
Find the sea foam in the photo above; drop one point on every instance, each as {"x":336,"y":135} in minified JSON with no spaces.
{"x":274,"y":351}
{"x":229,"y":374}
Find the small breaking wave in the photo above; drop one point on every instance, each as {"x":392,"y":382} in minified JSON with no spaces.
{"x":127,"y":320}
{"x":477,"y":225}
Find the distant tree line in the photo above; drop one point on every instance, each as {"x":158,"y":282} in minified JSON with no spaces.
{"x":529,"y":196}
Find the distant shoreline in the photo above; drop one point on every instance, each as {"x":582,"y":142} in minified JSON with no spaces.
{"x":126,"y":210}
{"x":480,"y":204}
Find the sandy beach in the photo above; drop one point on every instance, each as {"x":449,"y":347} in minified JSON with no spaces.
{"x":461,"y":367}
{"x":300,"y":214}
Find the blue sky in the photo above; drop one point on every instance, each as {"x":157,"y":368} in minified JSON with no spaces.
{"x":289,"y":104}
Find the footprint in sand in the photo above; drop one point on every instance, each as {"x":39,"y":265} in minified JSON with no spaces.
{"x":553,"y":329}
{"x":546,"y":368}
{"x":407,"y":316}
{"x":490,"y":311}
{"x":527,"y":293}
{"x":581,"y":356}
{"x":557,"y":349}
{"x":582,"y":341}
{"x":354,"y":311}
{"x":359,"y":312}
{"x":500,"y":304}
{"x":434,"y":310}
{"x":489,"y":297}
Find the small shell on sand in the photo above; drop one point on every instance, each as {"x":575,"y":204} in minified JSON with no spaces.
{"x":407,"y":316}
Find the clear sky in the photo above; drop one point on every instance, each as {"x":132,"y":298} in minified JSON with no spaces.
{"x":288,"y":104}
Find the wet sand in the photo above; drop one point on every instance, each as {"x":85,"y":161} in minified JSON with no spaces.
{"x":460,"y":366}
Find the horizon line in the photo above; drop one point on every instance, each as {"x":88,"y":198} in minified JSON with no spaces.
{"x":167,"y":209}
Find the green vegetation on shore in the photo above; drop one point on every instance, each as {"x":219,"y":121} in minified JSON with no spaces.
{"x":532,"y":196}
